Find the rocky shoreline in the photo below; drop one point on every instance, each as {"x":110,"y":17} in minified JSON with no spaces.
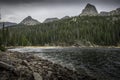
{"x":25,"y":66}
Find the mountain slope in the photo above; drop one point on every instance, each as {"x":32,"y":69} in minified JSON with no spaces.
{"x":79,"y":30}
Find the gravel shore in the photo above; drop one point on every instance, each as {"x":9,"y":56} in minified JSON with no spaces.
{"x":25,"y":66}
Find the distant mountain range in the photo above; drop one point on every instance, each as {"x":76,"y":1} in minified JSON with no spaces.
{"x":7,"y":24}
{"x":89,"y":10}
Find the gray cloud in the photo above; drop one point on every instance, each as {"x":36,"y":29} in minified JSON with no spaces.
{"x":57,"y":1}
{"x":37,"y":1}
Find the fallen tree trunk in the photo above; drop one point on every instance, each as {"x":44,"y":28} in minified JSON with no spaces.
{"x":6,"y":66}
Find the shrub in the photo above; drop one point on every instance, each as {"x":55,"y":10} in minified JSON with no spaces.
{"x":2,"y":48}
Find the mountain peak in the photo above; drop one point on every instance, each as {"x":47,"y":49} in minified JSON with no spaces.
{"x":66,"y":17}
{"x":89,"y":5}
{"x":29,"y":21}
{"x":29,"y":17}
{"x":89,"y":10}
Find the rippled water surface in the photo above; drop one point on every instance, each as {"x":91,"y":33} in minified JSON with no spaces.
{"x":102,"y":63}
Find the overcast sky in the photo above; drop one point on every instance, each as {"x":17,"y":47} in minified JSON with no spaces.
{"x":17,"y":10}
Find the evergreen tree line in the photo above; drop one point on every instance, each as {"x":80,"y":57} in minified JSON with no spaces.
{"x":96,"y":30}
{"x":3,"y":37}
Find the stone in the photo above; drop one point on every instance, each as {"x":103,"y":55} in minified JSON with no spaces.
{"x":37,"y":76}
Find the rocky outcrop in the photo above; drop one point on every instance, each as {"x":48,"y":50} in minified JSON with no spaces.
{"x":50,"y":20}
{"x":89,"y":10}
{"x":29,"y":21}
{"x":113,"y":12}
{"x":103,"y":13}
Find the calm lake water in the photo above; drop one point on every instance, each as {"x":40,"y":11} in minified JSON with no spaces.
{"x":102,"y":63}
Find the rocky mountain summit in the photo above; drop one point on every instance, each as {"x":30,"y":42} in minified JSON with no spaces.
{"x":89,"y":10}
{"x":66,"y":17}
{"x":29,"y":21}
{"x":50,"y":20}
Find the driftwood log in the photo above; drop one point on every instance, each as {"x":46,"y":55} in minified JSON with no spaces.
{"x":6,"y":66}
{"x":13,"y":69}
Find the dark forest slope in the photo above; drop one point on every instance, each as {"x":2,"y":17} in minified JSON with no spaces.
{"x":80,"y":30}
